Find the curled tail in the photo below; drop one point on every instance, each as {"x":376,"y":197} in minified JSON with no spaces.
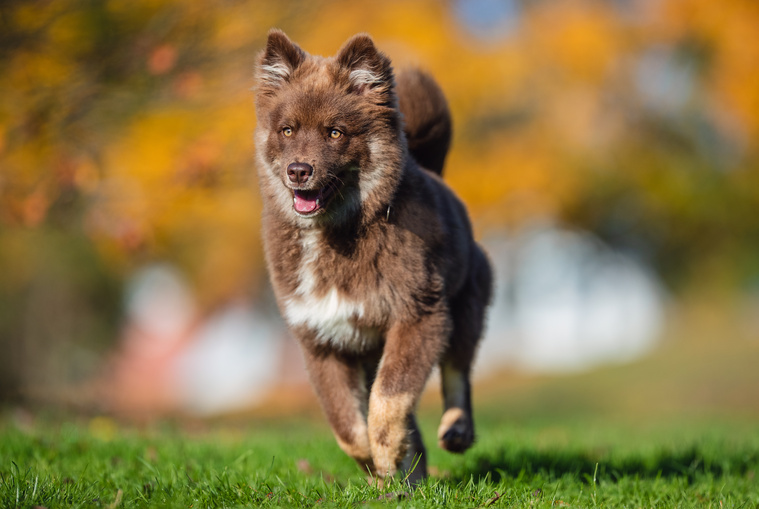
{"x":427,"y":120}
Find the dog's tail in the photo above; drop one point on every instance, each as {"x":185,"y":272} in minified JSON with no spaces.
{"x":427,"y":120}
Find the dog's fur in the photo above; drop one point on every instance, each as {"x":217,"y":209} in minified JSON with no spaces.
{"x":371,"y":256}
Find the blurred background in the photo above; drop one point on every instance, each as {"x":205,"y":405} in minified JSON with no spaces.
{"x":607,"y":151}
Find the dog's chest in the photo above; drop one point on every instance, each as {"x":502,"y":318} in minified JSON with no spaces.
{"x":337,"y":317}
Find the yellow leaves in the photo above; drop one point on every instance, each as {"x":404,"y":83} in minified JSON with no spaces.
{"x":86,"y":176}
{"x":176,"y":186}
{"x":728,"y":29}
{"x":37,"y":70}
{"x":243,"y":23}
{"x":56,"y":30}
{"x":169,"y":174}
{"x":25,"y":184}
{"x":411,"y":32}
{"x":222,"y":236}
{"x":65,"y":32}
{"x":508,"y":181}
{"x":147,"y":153}
{"x":3,"y":140}
{"x":737,"y":67}
{"x":581,"y":38}
{"x":33,"y":16}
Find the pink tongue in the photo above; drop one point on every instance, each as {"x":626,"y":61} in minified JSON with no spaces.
{"x":303,"y":204}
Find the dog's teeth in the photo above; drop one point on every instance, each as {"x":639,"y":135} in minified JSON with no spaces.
{"x":317,"y":202}
{"x":295,"y":200}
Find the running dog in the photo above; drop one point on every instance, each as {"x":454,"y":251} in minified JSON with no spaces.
{"x":370,"y":254}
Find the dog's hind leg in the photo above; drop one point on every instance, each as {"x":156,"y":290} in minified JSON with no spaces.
{"x":414,"y":464}
{"x":456,"y":430}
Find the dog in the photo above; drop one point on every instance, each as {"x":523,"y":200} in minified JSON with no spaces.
{"x":370,"y":255}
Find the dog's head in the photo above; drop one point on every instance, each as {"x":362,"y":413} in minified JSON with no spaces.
{"x":329,"y":138}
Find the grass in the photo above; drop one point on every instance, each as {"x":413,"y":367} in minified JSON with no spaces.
{"x":678,"y":429}
{"x":292,"y":463}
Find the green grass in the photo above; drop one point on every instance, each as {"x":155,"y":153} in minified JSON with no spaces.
{"x":677,"y":429}
{"x":293,"y":463}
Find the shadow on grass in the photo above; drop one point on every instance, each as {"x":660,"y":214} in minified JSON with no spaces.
{"x":687,"y":464}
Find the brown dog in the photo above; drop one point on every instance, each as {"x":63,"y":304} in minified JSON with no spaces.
{"x":371,"y":256}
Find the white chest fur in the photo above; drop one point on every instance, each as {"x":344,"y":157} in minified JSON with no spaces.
{"x":334,"y":320}
{"x":333,"y":317}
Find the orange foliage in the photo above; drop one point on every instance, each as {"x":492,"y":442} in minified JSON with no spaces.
{"x":140,"y":112}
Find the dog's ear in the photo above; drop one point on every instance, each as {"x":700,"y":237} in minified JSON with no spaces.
{"x":369,"y":70}
{"x":278,"y":61}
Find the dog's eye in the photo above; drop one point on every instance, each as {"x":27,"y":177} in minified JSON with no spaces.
{"x":287,"y":131}
{"x":335,"y":134}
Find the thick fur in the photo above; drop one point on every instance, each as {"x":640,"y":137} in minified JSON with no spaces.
{"x":379,"y":278}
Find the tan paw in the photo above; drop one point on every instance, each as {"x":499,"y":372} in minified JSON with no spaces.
{"x":456,"y":432}
{"x":388,"y":436}
{"x":386,"y":461}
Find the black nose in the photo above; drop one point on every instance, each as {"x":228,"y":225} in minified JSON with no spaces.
{"x":299,"y":173}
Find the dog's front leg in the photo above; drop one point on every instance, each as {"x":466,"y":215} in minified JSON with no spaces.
{"x":410,"y":352}
{"x":340,"y":384}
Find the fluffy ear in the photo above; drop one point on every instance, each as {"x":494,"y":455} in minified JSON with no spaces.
{"x":280,"y":58}
{"x":369,"y":70}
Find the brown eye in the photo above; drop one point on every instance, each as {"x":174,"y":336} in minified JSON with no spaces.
{"x":287,"y":131}
{"x":335,"y":134}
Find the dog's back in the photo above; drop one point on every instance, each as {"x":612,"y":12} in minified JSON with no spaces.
{"x":426,"y":118}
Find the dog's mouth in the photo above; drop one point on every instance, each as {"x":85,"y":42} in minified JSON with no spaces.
{"x":312,"y":201}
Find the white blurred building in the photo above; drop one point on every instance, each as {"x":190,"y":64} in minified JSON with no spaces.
{"x":564,"y":301}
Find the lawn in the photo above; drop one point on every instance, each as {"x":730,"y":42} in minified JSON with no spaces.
{"x":677,"y":429}
{"x":295,"y":463}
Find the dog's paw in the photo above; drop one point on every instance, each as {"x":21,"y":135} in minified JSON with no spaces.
{"x":456,"y":431}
